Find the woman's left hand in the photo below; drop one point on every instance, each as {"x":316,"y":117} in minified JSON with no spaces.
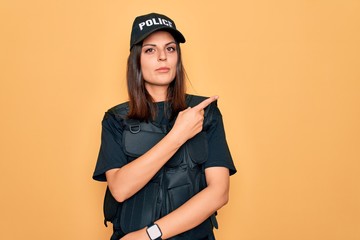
{"x":137,"y":235}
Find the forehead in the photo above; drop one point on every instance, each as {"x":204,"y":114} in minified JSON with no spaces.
{"x":159,"y":37}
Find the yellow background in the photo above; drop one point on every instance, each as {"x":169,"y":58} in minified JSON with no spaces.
{"x":288,"y":77}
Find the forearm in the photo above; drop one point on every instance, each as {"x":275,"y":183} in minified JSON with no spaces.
{"x":188,"y":216}
{"x":198,"y":208}
{"x":191,"y":214}
{"x":126,"y":181}
{"x":195,"y":210}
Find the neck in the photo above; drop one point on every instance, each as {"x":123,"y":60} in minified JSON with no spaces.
{"x":158,"y":93}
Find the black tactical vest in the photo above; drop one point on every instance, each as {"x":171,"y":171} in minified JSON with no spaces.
{"x":175,"y":183}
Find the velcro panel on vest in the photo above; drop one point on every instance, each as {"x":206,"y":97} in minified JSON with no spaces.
{"x":198,"y":148}
{"x":140,"y":137}
{"x":195,"y":148}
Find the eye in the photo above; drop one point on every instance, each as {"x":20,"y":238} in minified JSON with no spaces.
{"x":149,"y":50}
{"x":171,"y":49}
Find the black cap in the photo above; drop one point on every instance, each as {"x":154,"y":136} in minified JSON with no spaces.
{"x":145,"y":25}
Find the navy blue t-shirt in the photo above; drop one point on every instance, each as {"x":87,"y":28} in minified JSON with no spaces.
{"x":111,"y":154}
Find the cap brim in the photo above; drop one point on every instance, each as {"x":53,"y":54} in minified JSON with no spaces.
{"x":175,"y":33}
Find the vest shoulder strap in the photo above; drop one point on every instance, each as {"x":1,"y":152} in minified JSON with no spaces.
{"x":193,"y":100}
{"x":120,"y":111}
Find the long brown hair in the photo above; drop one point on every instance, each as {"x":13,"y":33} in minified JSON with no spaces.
{"x":142,"y":106}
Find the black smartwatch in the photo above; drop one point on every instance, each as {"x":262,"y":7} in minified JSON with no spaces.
{"x":154,"y":232}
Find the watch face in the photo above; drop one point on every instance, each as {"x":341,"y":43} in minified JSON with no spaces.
{"x":154,"y":232}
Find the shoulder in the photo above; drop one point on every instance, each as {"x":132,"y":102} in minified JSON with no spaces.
{"x":193,"y":100}
{"x":212,"y":112}
{"x":119,"y":111}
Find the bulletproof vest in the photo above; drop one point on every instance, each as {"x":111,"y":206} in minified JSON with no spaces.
{"x":176,"y":182}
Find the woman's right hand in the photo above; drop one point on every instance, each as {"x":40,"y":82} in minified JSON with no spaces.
{"x":189,"y":122}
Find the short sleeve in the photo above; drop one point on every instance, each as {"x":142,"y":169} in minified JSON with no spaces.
{"x":111,"y":154}
{"x":219,"y":153}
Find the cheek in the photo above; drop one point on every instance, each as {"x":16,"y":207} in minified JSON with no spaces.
{"x":145,"y":68}
{"x":175,"y":69}
{"x":174,"y":60}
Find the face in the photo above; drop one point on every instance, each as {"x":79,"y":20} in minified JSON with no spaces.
{"x":158,"y":60}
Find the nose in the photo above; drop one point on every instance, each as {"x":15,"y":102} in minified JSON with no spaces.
{"x":162,"y":56}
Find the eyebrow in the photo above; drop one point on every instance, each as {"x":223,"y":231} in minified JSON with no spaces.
{"x":154,"y":45}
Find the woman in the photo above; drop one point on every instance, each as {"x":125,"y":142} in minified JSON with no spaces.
{"x":163,"y":154}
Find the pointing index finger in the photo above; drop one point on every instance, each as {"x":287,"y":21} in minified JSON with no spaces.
{"x":206,"y":102}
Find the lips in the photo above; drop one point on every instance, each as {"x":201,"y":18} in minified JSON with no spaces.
{"x":163,"y":69}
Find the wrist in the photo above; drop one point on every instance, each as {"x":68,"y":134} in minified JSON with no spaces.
{"x":154,"y":232}
{"x":175,"y":138}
